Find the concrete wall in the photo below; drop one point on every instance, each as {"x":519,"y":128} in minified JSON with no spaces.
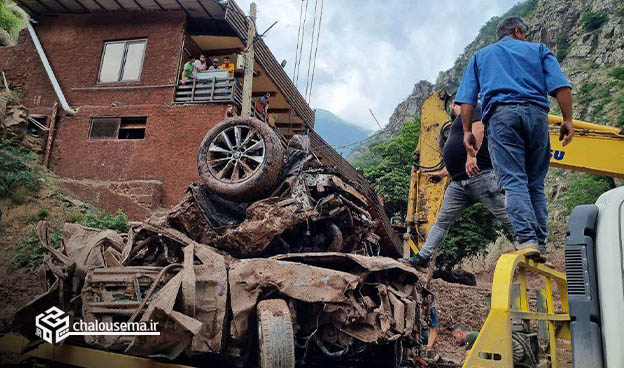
{"x":74,"y":46}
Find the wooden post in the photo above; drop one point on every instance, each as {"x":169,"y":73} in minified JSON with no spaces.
{"x":51,"y":128}
{"x":249,"y":62}
{"x":212,"y":91}
{"x":193,"y":90}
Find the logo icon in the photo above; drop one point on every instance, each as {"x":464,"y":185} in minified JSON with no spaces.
{"x":52,"y":325}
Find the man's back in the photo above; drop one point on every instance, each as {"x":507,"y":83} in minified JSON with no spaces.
{"x":514,"y":71}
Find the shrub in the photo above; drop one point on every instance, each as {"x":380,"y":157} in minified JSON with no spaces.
{"x":75,"y":217}
{"x":562,"y":47}
{"x":17,"y":179}
{"x":585,"y":92}
{"x":617,"y":73}
{"x":584,"y":189}
{"x":102,"y":220}
{"x":619,"y":121}
{"x":593,"y":20}
{"x":43,"y":213}
{"x":29,"y":252}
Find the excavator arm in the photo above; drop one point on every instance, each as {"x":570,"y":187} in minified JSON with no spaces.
{"x":596,"y":149}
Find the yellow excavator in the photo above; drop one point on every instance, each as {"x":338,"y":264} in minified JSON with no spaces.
{"x":581,"y":311}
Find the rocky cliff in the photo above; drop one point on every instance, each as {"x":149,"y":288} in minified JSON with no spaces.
{"x":409,"y":107}
{"x":588,"y":38}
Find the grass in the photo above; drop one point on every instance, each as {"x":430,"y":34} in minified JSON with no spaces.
{"x":100,"y":220}
{"x":617,"y":73}
{"x":585,"y":92}
{"x":12,"y":18}
{"x":17,"y":178}
{"x":584,"y":189}
{"x":619,"y":120}
{"x":29,"y":252}
{"x":14,"y":96}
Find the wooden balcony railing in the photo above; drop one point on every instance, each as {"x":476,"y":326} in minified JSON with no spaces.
{"x":210,"y":90}
{"x":228,"y":90}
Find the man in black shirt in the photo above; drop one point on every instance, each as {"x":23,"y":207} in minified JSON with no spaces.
{"x":472,"y":181}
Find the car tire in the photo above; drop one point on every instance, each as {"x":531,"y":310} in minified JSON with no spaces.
{"x":241,"y":159}
{"x":276,"y":344}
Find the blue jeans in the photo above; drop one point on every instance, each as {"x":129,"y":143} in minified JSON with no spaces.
{"x":460,"y":195}
{"x":520,"y":151}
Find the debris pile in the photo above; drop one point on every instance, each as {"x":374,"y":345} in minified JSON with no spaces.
{"x":202,"y":269}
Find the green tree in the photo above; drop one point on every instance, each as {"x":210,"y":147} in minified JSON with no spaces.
{"x":387,"y":166}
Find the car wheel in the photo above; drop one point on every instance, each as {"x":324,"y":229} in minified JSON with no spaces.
{"x":240,"y":159}
{"x":276,"y":344}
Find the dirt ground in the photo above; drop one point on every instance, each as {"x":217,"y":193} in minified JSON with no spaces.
{"x":457,"y":305}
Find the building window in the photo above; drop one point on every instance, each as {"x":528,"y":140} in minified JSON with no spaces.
{"x":118,"y":128}
{"x":36,"y":125}
{"x":122,"y":61}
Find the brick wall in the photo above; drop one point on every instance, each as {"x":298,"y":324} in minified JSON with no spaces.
{"x":74,"y":45}
{"x":168,"y":153}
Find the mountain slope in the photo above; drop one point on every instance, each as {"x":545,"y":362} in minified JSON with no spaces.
{"x":338,"y":132}
{"x":587,"y":36}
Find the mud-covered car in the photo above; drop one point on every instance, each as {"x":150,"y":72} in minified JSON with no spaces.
{"x":327,"y":305}
{"x":273,"y":259}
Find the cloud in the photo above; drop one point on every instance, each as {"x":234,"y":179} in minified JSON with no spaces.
{"x":372,"y":52}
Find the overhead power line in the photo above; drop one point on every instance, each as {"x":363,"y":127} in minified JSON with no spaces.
{"x":311,"y":51}
{"x":305,"y":16}
{"x":318,"y":35}
{"x":298,"y":35}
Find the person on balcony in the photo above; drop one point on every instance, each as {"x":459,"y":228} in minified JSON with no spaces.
{"x":188,"y":71}
{"x":200,"y":65}
{"x":216,"y":64}
{"x":227,"y":65}
{"x":262,"y":104}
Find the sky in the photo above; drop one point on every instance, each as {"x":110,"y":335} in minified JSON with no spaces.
{"x":371,"y":52}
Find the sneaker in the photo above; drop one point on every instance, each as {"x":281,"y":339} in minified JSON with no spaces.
{"x":529,"y":249}
{"x":418,"y":262}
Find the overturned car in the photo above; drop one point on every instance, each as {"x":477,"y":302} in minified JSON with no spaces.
{"x":273,"y":260}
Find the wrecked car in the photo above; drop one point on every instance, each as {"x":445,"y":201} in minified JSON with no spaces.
{"x":327,"y":304}
{"x":273,"y":259}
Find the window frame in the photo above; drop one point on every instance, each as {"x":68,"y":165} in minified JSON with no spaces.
{"x":119,"y":120}
{"x":123,"y":60}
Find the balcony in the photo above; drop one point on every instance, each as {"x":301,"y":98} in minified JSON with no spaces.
{"x":211,"y":90}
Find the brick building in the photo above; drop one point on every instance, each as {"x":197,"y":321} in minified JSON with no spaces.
{"x":129,"y":127}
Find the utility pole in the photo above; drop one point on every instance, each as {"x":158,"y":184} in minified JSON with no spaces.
{"x":249,"y":61}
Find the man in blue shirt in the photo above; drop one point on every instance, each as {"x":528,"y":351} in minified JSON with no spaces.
{"x":514,"y":78}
